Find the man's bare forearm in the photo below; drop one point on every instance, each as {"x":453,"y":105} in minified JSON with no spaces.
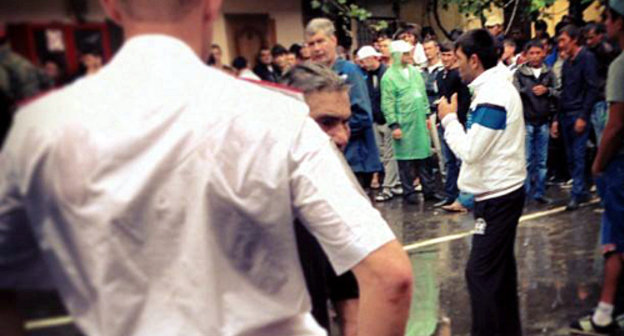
{"x":385,"y":282}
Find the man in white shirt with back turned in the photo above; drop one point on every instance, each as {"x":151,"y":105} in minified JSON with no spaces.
{"x":161,"y":194}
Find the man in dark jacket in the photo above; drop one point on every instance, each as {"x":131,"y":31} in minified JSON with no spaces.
{"x":361,"y":152}
{"x":537,"y":86}
{"x":375,"y":70}
{"x":605,"y":53}
{"x":19,"y":81}
{"x":578,"y":95}
{"x":280,"y":61}
{"x":449,"y":82}
{"x":264,"y":66}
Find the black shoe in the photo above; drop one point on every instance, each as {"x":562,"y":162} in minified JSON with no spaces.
{"x":444,"y":202}
{"x":433,"y":198}
{"x":572,"y":205}
{"x":543,"y":200}
{"x":584,"y":199}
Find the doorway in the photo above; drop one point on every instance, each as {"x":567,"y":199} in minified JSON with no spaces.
{"x":247,"y":33}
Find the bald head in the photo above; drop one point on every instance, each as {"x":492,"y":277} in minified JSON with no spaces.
{"x":190,"y":21}
{"x":158,"y":10}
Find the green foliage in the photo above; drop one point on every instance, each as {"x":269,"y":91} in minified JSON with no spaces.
{"x":477,"y":7}
{"x":539,"y":5}
{"x":348,"y":11}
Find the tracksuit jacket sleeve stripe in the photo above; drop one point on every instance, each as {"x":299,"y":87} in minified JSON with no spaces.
{"x":490,"y":116}
{"x":489,"y":122}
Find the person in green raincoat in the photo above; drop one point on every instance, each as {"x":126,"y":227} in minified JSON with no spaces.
{"x":404,"y":104}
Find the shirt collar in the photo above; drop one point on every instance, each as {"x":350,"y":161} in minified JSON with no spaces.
{"x":487,"y":76}
{"x":578,"y":55}
{"x":157,"y":50}
{"x":432,"y":68}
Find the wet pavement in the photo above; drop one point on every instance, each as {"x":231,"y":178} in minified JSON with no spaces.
{"x":558,"y":256}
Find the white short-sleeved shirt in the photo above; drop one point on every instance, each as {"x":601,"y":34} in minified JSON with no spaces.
{"x":420,"y":59}
{"x":162,"y":195}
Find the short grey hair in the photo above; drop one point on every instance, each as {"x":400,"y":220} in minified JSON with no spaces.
{"x":320,"y":25}
{"x":310,"y":77}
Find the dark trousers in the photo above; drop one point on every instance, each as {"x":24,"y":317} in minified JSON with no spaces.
{"x":557,"y":160}
{"x":491,"y":271}
{"x":452,"y":169}
{"x":322,"y":282}
{"x":364,"y":179}
{"x":576,"y":149}
{"x":409,"y":170}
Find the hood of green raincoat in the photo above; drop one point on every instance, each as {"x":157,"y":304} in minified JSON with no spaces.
{"x":396,"y":59}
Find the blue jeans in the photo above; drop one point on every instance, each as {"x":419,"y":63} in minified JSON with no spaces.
{"x":576,"y":148}
{"x":467,"y":200}
{"x":611,"y":184}
{"x":599,"y":119}
{"x":452,"y":169}
{"x":536,"y":156}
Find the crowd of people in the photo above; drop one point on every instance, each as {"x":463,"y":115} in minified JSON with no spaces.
{"x":478,"y":121}
{"x":555,"y":155}
{"x":561,"y":87}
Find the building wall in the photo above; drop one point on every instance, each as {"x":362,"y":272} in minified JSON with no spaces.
{"x":36,"y":11}
{"x":415,"y":11}
{"x":286,"y":13}
{"x":553,"y":15}
{"x":289,"y":25}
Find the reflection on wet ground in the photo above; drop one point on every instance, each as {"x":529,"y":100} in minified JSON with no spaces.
{"x":559,"y":265}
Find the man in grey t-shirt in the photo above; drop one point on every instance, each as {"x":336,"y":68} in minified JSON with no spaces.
{"x":609,"y":171}
{"x":615,"y":91}
{"x":615,"y":94}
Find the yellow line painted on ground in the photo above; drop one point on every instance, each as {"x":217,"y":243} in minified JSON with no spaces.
{"x":554,"y":211}
{"x":49,"y":323}
{"x":525,"y":218}
{"x":436,"y":241}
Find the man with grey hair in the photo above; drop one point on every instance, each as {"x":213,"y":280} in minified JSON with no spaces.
{"x":179,"y":220}
{"x":361,"y":151}
{"x":327,"y":95}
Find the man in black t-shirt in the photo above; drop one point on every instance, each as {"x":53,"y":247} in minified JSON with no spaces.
{"x":449,"y":82}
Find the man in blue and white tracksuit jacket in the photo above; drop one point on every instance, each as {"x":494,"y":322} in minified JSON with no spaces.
{"x":493,"y":168}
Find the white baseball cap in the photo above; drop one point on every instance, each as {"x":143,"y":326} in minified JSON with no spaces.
{"x":400,"y":46}
{"x":367,"y":51}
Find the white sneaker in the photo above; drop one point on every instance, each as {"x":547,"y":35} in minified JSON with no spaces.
{"x":568,"y":185}
{"x":384,"y":196}
{"x":398,"y":190}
